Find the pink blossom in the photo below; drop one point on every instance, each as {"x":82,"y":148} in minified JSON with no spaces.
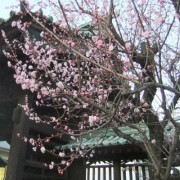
{"x":160,"y":20}
{"x":13,"y":24}
{"x":33,"y":74}
{"x":24,"y":86}
{"x":60,"y":85}
{"x":111,"y":47}
{"x":128,"y":46}
{"x":75,"y":93}
{"x":146,"y":79}
{"x":147,"y":34}
{"x":85,"y":105}
{"x":126,"y":62}
{"x":38,"y":14}
{"x":44,"y":91}
{"x":30,"y":67}
{"x":153,"y":141}
{"x":85,"y":115}
{"x":26,"y":2}
{"x":38,"y":96}
{"x":32,"y":141}
{"x":73,"y":44}
{"x":9,"y":64}
{"x":91,"y":155}
{"x":136,"y":110}
{"x":130,"y":104}
{"x":88,"y":53}
{"x":26,"y":46}
{"x":43,"y":150}
{"x":34,"y":149}
{"x":95,"y":38}
{"x":42,"y":34}
{"x":18,"y":24}
{"x":100,"y":97}
{"x":139,"y":25}
{"x":63,"y":162}
{"x":99,"y":43}
{"x":62,"y":154}
{"x":72,"y":137}
{"x":161,"y":1}
{"x":145,"y":104}
{"x":60,"y":171}
{"x":91,"y":120}
{"x":51,"y":166}
{"x":143,"y":1}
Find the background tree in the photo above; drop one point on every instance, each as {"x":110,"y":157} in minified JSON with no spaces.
{"x":119,"y":69}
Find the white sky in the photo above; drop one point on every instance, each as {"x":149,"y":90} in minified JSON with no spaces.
{"x":8,"y":5}
{"x":5,"y":7}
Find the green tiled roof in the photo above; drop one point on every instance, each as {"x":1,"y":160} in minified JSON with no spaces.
{"x":105,"y":137}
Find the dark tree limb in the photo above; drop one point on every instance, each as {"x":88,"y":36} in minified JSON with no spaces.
{"x":176,"y":4}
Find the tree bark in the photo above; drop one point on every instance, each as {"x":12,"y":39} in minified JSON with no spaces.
{"x":156,"y":133}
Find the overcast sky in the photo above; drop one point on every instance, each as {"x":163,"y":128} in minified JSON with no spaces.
{"x":8,"y":5}
{"x":5,"y":7}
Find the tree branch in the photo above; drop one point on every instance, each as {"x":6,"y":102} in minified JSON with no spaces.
{"x":172,"y":151}
{"x":176,"y":4}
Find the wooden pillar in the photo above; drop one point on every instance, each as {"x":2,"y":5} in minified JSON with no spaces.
{"x":99,"y":172}
{"x":144,"y":172}
{"x":93,"y":173}
{"x":117,"y":174}
{"x":17,"y":153}
{"x":137,"y":172}
{"x":110,"y":173}
{"x":124,"y":172}
{"x":77,"y":171}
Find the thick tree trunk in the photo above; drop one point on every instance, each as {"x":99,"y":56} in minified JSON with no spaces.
{"x":157,"y":174}
{"x":156,"y":133}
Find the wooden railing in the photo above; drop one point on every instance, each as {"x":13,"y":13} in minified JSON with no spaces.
{"x":117,"y":171}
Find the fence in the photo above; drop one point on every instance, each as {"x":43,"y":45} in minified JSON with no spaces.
{"x":117,"y":171}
